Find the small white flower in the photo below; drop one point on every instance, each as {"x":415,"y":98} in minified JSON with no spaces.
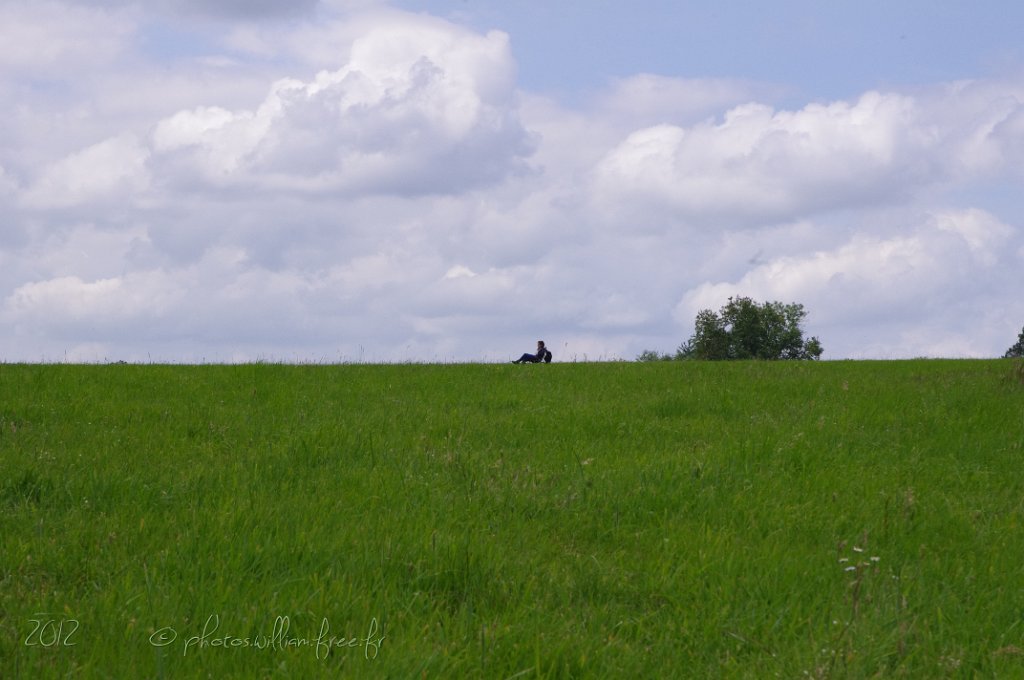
{"x":875,"y":558}
{"x":843,"y":560}
{"x":856,"y":549}
{"x":850,"y":569}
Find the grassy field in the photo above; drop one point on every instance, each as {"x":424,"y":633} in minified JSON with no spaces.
{"x":748,"y":520}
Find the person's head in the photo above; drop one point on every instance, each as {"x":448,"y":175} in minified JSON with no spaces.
{"x":540,"y":344}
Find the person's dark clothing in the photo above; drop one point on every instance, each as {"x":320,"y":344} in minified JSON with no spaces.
{"x":542,"y":355}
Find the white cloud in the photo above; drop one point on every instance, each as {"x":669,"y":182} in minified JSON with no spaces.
{"x":8,"y":185}
{"x":43,"y":36}
{"x":459,"y":272}
{"x":1007,"y":136}
{"x":217,"y":142}
{"x":58,"y":252}
{"x":69,"y":303}
{"x":761,"y":164}
{"x":225,"y":9}
{"x":983,"y":233}
{"x":464,"y":292}
{"x":244,"y":9}
{"x":980,"y":122}
{"x":420,"y":107}
{"x":220,"y":299}
{"x":112,"y":169}
{"x":648,"y":99}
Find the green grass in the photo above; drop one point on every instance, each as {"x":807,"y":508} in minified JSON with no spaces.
{"x":747,"y":520}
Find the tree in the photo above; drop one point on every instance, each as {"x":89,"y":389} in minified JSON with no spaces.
{"x":1016,"y":350}
{"x":744,"y":329}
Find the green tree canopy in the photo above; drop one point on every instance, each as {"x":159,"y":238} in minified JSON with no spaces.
{"x":745,"y":329}
{"x":1016,"y":350}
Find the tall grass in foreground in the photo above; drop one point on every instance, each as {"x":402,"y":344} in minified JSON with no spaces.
{"x":825,"y":520}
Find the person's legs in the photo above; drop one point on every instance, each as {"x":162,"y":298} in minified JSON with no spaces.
{"x":526,"y":359}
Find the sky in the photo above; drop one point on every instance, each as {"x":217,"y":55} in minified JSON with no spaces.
{"x":452,"y":180}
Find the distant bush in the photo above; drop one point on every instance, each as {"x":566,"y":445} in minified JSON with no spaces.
{"x":653,"y":355}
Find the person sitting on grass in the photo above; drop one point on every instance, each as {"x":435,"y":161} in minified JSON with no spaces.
{"x":543,"y":354}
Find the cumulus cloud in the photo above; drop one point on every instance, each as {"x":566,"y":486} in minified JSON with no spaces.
{"x":47,"y":35}
{"x":7,"y":183}
{"x":761,"y":164}
{"x":220,"y":299}
{"x":110,"y":170}
{"x":420,"y":107}
{"x":259,"y":9}
{"x":245,"y":8}
{"x":222,"y":9}
{"x":648,"y":99}
{"x":69,"y":299}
